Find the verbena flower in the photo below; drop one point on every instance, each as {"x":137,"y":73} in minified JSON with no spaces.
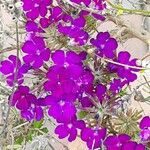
{"x":56,"y":15}
{"x":133,"y":146}
{"x":78,"y":35}
{"x":126,"y":73}
{"x":61,"y":109}
{"x":122,"y":142}
{"x":67,"y":80}
{"x":93,"y":137}
{"x":36,"y":8}
{"x":31,"y":26}
{"x":69,"y":129}
{"x":101,"y":92}
{"x":67,"y":75}
{"x":36,"y":51}
{"x":116,"y":85}
{"x":105,"y":45}
{"x":94,"y":4}
{"x":13,"y":70}
{"x":116,"y":142}
{"x":84,"y":13}
{"x":27,"y":103}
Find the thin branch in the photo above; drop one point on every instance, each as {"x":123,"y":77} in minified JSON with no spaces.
{"x":19,"y":126}
{"x":130,"y":11}
{"x":7,"y":50}
{"x":15,"y":79}
{"x":124,"y":65}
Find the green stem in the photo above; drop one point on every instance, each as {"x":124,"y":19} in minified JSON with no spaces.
{"x":130,"y":11}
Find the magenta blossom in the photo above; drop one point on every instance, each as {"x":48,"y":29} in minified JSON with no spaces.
{"x":36,"y":8}
{"x":61,"y":109}
{"x":93,"y":137}
{"x":36,"y":52}
{"x":13,"y":70}
{"x":27,"y":103}
{"x":69,"y":128}
{"x":105,"y":45}
{"x":94,"y":4}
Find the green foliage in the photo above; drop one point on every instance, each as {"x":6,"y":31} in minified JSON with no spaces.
{"x":38,"y":124}
{"x":29,"y":132}
{"x":82,"y":114}
{"x":19,"y":140}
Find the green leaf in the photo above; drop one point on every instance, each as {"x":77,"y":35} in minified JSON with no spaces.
{"x":82,"y":114}
{"x":45,"y":130}
{"x":19,"y":140}
{"x":38,"y":124}
{"x":122,"y":92}
{"x":30,"y":135}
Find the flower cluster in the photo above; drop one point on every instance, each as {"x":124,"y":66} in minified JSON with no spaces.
{"x":29,"y":106}
{"x":71,"y":86}
{"x":36,"y":52}
{"x":122,"y":142}
{"x":9,"y":67}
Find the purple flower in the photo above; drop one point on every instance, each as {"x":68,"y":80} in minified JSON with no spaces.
{"x":145,"y":134}
{"x":27,"y":103}
{"x":84,"y":13}
{"x":145,"y":128}
{"x":68,"y":59}
{"x":105,"y":45}
{"x":63,"y":75}
{"x":133,"y":146}
{"x":98,"y":4}
{"x":125,"y":72}
{"x":116,"y":142}
{"x":36,"y":8}
{"x":36,"y":52}
{"x":93,"y":137}
{"x":31,"y":26}
{"x":13,"y":70}
{"x":74,"y":30}
{"x":85,"y":2}
{"x":68,"y":76}
{"x":78,"y":35}
{"x":101,"y":92}
{"x":35,"y":113}
{"x":116,"y":85}
{"x":61,"y":109}
{"x":69,"y":129}
{"x":86,"y":102}
{"x":59,"y":82}
{"x":98,"y":17}
{"x":56,"y":14}
{"x":122,"y":142}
